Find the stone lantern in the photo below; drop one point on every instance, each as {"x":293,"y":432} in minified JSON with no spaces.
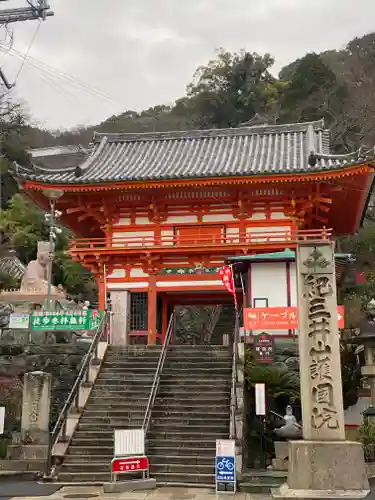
{"x":366,"y":338}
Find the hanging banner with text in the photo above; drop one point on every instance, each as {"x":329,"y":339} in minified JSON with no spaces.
{"x":85,"y":319}
{"x":278,"y":318}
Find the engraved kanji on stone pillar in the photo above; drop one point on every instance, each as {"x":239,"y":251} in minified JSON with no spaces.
{"x":319,"y":344}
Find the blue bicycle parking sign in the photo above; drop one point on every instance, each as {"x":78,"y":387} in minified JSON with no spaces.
{"x":225,"y":470}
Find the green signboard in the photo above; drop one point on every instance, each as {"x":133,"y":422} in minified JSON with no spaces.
{"x":85,"y":319}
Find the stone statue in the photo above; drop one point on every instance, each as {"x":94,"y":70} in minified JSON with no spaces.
{"x":35,"y":277}
{"x":291,"y":429}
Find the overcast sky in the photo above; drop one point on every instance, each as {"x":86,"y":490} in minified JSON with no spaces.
{"x":113,"y":55}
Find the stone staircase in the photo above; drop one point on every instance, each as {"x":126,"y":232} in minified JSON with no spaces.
{"x":225,"y":324}
{"x":191,"y":411}
{"x":118,"y":400}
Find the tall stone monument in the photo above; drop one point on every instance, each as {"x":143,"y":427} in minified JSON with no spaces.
{"x":32,"y":444}
{"x":323,"y":464}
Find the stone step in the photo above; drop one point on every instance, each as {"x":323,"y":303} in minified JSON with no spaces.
{"x":262,"y":481}
{"x":166,"y":428}
{"x":121,"y":391}
{"x":98,"y":405}
{"x":197,"y":433}
{"x":185,"y":469}
{"x":183,"y":479}
{"x":93,"y":434}
{"x":179,"y":391}
{"x":194,"y":459}
{"x":70,"y":476}
{"x":188,"y":420}
{"x":135,"y":366}
{"x":101,"y":427}
{"x":87,"y":466}
{"x":187,"y":372}
{"x":114,"y":379}
{"x":181,"y":443}
{"x":192,"y":378}
{"x":133,"y":398}
{"x":135,"y":349}
{"x":196,"y":361}
{"x":177,"y":451}
{"x":97,"y":459}
{"x":199,"y":348}
{"x":82,"y":441}
{"x":192,"y":406}
{"x":92,"y":450}
{"x":191,"y":400}
{"x":94,"y":414}
{"x":124,"y":369}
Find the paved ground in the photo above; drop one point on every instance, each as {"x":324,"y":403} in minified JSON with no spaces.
{"x":158,"y":494}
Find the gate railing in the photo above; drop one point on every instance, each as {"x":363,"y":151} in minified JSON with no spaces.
{"x":233,"y":395}
{"x":156,"y":382}
{"x":59,"y":432}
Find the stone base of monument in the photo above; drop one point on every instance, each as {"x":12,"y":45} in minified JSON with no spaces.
{"x":324,"y":470}
{"x":280,"y":462}
{"x":27,"y":452}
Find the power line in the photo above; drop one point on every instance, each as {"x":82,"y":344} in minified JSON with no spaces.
{"x":64,"y":77}
{"x":27,"y":52}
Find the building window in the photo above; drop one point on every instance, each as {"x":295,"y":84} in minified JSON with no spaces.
{"x":260,"y":302}
{"x":138,"y":311}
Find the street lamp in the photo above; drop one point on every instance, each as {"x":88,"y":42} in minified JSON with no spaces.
{"x":51,"y":219}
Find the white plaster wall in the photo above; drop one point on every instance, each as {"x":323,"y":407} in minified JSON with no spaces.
{"x":258,"y":216}
{"x":167,"y":237}
{"x":181,"y":219}
{"x":268,"y":281}
{"x":127,"y":238}
{"x":278,"y":215}
{"x":218,"y":218}
{"x":267,"y":230}
{"x":232,"y":234}
{"x":143,"y":220}
{"x":293,"y":284}
{"x":137,"y":272}
{"x":117,"y":273}
{"x":123,"y":221}
{"x":174,"y":284}
{"x":127,"y":285}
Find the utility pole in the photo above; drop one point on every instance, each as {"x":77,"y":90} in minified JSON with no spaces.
{"x":37,"y":9}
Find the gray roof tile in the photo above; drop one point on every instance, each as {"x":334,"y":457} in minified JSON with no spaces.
{"x":244,"y":151}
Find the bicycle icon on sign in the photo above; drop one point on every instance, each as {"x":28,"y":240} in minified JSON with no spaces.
{"x":225,"y":464}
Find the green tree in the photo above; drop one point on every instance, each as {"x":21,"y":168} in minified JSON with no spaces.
{"x":12,"y":123}
{"x":230,"y":90}
{"x":313,"y":92}
{"x":23,"y":225}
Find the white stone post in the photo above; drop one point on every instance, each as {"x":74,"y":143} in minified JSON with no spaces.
{"x":120,"y":307}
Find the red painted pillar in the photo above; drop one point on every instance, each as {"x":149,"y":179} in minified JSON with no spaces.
{"x":152,"y":304}
{"x":101,"y":292}
{"x":164,"y":318}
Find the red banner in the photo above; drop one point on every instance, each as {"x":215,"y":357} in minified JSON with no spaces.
{"x":278,"y":318}
{"x":226,"y":276}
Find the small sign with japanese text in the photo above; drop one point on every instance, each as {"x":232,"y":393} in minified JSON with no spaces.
{"x":84,"y":319}
{"x":264,"y":348}
{"x":278,"y":318}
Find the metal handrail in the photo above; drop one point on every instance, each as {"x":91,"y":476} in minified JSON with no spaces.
{"x":233,"y":394}
{"x":73,"y":398}
{"x":155,"y":384}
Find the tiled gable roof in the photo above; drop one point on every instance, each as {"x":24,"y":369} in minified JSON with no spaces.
{"x":243,"y":151}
